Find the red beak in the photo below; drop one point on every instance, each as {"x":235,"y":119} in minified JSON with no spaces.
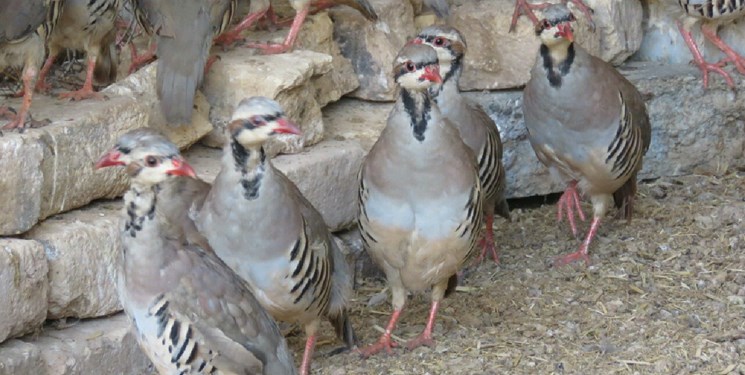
{"x":286,"y":126}
{"x":109,"y":159}
{"x":182,"y":168}
{"x":565,"y":30}
{"x":432,"y":74}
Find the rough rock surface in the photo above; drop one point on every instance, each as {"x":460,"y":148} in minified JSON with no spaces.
{"x":23,"y":287}
{"x":372,"y":47}
{"x":50,"y":169}
{"x":302,"y":81}
{"x":710,"y":126}
{"x":325,"y":173}
{"x":82,"y":249}
{"x":101,"y":346}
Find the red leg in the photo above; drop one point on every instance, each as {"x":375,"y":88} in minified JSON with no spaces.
{"x":385,"y":342}
{"x":487,"y":243}
{"x":310,"y":345}
{"x":87,"y":91}
{"x":568,"y":202}
{"x":20,"y":119}
{"x":41,"y":84}
{"x":291,"y":36}
{"x":425,"y":338}
{"x":138,"y":61}
{"x":732,"y":55}
{"x":211,"y":60}
{"x":698,"y":59}
{"x":580,"y":254}
{"x":231,"y":36}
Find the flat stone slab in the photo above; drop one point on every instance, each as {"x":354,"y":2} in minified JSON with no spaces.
{"x":692,"y":131}
{"x":101,"y":346}
{"x":49,"y":170}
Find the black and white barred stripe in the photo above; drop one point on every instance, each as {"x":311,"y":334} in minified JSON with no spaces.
{"x":712,"y":8}
{"x":627,"y":148}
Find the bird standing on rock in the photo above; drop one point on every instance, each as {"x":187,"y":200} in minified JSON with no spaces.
{"x":420,"y":197}
{"x":85,"y":25}
{"x":184,"y":30}
{"x":24,"y":25}
{"x":586,"y":122}
{"x":476,"y":128}
{"x":713,"y":13}
{"x":191,"y":313}
{"x":258,"y":221}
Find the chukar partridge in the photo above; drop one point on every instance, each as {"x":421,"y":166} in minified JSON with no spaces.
{"x":184,"y":30}
{"x":586,"y":123}
{"x":476,"y":128}
{"x":294,"y":267}
{"x":420,"y":197}
{"x":713,"y":13}
{"x":192,"y":314}
{"x":526,"y":8}
{"x":86,"y":25}
{"x":184,"y":195}
{"x":24,"y":25}
{"x":302,"y":8}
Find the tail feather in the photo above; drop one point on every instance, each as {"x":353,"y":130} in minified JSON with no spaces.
{"x":343,"y":328}
{"x":623,"y":198}
{"x":341,"y":289}
{"x":181,"y":61}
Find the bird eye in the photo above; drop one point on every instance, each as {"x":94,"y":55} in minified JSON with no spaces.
{"x":439,"y":41}
{"x":258,"y":120}
{"x":151,"y":161}
{"x":410,"y":66}
{"x":546,"y":24}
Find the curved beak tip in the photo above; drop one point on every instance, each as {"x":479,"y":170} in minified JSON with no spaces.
{"x":287,"y":127}
{"x":109,"y":159}
{"x":183,"y":169}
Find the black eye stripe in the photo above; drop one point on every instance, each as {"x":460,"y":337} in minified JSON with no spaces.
{"x":125,"y":150}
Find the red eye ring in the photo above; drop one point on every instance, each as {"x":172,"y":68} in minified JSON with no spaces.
{"x":439,"y":41}
{"x":410,"y":66}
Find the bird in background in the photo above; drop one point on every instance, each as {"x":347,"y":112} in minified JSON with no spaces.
{"x":587,"y":123}
{"x":474,"y":125}
{"x":525,"y":7}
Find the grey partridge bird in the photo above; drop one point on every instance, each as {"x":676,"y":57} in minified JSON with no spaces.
{"x":586,"y":123}
{"x":476,"y":128}
{"x":184,"y":30}
{"x":302,"y":9}
{"x":24,"y":25}
{"x":85,"y":25}
{"x":192,"y":314}
{"x":526,"y":8}
{"x":186,"y":194}
{"x":293,"y":265}
{"x":713,"y":13}
{"x":420,"y":197}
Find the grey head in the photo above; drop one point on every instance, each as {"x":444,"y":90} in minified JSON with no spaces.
{"x":416,"y":67}
{"x":256,"y":119}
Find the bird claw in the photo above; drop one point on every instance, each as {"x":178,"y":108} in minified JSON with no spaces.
{"x":580,"y":254}
{"x":270,"y":48}
{"x":82,"y":94}
{"x":422,"y":340}
{"x":568,"y":203}
{"x":487,"y":247}
{"x":385,"y":343}
{"x":228,"y":39}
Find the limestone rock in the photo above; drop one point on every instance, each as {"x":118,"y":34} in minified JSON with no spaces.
{"x":82,"y":249}
{"x":23,"y":287}
{"x":497,"y":59}
{"x":50,"y":169}
{"x":302,"y":81}
{"x":101,"y":346}
{"x":372,"y":47}
{"x":325,"y":173}
{"x":18,"y":357}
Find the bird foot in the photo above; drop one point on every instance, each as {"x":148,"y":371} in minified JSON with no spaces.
{"x":568,"y":203}
{"x":270,"y":48}
{"x":384,"y":344}
{"x":487,"y":246}
{"x":138,"y":61}
{"x":228,"y":38}
{"x":82,"y":94}
{"x":42,"y":86}
{"x":424,"y":339}
{"x":580,"y":254}
{"x":19,"y":120}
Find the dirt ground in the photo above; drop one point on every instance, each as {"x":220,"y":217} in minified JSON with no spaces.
{"x":663,"y":295}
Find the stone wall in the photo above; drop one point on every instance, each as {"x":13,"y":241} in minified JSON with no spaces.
{"x":60,"y":219}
